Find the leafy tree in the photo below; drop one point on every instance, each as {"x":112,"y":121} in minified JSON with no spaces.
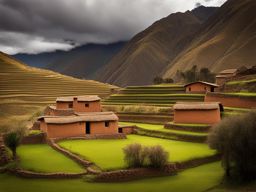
{"x":234,"y":139}
{"x":158,"y":80}
{"x":168,"y":80}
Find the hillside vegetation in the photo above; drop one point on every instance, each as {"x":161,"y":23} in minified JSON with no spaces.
{"x":25,"y":89}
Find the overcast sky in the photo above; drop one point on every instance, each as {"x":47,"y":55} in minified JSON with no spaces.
{"x":35,"y":26}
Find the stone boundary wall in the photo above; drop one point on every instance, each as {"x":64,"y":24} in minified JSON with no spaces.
{"x":30,"y":174}
{"x":67,"y":153}
{"x":91,"y":137}
{"x":199,"y":129}
{"x":166,"y":135}
{"x":50,"y":110}
{"x":231,"y":100}
{"x":34,"y":139}
{"x":136,"y":173}
{"x":141,"y":173}
{"x":153,"y":119}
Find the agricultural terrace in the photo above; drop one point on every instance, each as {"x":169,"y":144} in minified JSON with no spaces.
{"x":42,"y":158}
{"x":108,"y":154}
{"x":25,"y":90}
{"x":156,"y":95}
{"x":209,"y":176}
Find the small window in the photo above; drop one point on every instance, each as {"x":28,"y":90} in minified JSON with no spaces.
{"x":86,"y":104}
{"x":106,"y":123}
{"x":70,"y":105}
{"x":120,"y":130}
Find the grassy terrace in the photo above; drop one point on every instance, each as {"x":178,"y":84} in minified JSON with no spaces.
{"x":108,"y":154}
{"x":42,"y":158}
{"x":209,"y":176}
{"x":156,"y":95}
{"x":161,"y":128}
{"x":243,"y":82}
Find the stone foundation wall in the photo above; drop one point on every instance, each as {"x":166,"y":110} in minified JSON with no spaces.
{"x":187,"y":128}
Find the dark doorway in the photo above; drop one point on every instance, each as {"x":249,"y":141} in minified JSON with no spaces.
{"x":87,"y":128}
{"x":120,"y":130}
{"x":212,"y":89}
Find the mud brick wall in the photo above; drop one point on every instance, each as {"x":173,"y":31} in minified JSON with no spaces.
{"x":231,"y":101}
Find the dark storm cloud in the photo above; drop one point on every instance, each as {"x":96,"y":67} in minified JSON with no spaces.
{"x":35,"y":26}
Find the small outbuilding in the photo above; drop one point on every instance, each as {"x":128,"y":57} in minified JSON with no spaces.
{"x":197,"y":112}
{"x":79,"y":125}
{"x":200,"y":87}
{"x":225,"y":75}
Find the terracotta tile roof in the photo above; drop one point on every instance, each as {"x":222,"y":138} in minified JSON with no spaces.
{"x":81,"y":117}
{"x":202,"y":82}
{"x":196,"y":105}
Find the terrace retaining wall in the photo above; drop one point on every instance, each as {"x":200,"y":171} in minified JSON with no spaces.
{"x":230,"y":100}
{"x":137,"y":173}
{"x":4,"y":157}
{"x":174,"y":136}
{"x":145,"y":118}
{"x":29,"y":174}
{"x":34,"y":139}
{"x":74,"y":157}
{"x":187,"y":128}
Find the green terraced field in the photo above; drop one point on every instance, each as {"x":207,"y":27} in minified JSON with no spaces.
{"x":108,"y":154}
{"x":42,"y":158}
{"x":155,"y":95}
{"x":193,"y":180}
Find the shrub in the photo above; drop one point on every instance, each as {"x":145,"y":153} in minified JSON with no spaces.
{"x":13,"y":136}
{"x":234,"y":139}
{"x":134,"y":155}
{"x":158,"y":80}
{"x":157,"y":156}
{"x":138,"y":156}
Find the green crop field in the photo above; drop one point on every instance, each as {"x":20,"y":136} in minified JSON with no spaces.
{"x":108,"y":154}
{"x":192,"y":180}
{"x":42,"y":158}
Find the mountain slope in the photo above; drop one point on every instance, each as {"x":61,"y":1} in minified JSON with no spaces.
{"x":227,"y":40}
{"x":21,"y":84}
{"x":149,"y":52}
{"x":82,"y":62}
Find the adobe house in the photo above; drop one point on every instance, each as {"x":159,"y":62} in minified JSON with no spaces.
{"x":88,"y":103}
{"x":78,"y":116}
{"x":200,"y":87}
{"x":86,"y":124}
{"x":225,"y":75}
{"x":197,"y":112}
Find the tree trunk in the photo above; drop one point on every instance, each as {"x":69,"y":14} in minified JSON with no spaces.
{"x":14,"y":154}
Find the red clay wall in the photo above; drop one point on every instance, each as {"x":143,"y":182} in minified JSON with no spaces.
{"x":80,"y":106}
{"x":197,"y":116}
{"x":78,"y":129}
{"x":63,"y":105}
{"x":231,"y":101}
{"x":198,"y":88}
{"x":98,"y":128}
